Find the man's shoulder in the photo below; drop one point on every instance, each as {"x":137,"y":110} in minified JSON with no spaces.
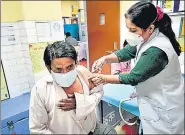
{"x":83,"y":70}
{"x":40,"y":91}
{"x":42,"y":83}
{"x":85,"y":73}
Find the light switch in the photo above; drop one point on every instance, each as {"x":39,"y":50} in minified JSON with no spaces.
{"x":102,"y":19}
{"x":115,"y":45}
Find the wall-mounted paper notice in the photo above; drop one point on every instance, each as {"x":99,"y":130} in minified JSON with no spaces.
{"x":37,"y":53}
{"x":166,"y":5}
{"x":43,"y":29}
{"x":4,"y":88}
{"x":57,"y":30}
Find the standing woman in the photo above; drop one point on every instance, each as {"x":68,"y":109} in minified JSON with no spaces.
{"x":156,"y":75}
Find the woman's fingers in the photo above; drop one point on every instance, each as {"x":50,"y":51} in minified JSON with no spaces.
{"x":97,"y":65}
{"x":94,"y":79}
{"x":94,"y":66}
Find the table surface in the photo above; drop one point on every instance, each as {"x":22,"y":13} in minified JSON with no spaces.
{"x":114,"y":93}
{"x":14,"y":109}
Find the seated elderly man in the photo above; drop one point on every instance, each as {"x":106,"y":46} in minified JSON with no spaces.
{"x":65,"y":101}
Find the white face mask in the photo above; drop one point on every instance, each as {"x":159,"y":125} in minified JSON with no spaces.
{"x":134,"y":39}
{"x":65,"y":79}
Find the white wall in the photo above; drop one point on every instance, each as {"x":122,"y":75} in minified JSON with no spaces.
{"x":124,"y":6}
{"x":16,"y":60}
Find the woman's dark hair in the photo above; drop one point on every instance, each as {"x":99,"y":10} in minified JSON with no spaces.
{"x":125,"y":43}
{"x":59,"y":49}
{"x":143,"y":14}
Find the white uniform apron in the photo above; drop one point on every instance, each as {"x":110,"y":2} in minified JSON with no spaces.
{"x":161,"y":98}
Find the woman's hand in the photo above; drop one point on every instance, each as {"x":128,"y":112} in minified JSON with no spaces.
{"x":67,"y":104}
{"x":97,"y":79}
{"x":97,"y":65}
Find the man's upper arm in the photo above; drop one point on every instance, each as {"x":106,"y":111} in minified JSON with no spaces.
{"x":86,"y":74}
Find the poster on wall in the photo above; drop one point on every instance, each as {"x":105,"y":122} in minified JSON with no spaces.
{"x":166,"y":5}
{"x":4,"y":87}
{"x":36,"y":54}
{"x":83,"y":32}
{"x":57,"y":30}
{"x":43,"y":28}
{"x":74,"y":10}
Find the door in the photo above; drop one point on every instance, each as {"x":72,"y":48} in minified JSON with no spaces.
{"x":103,"y":38}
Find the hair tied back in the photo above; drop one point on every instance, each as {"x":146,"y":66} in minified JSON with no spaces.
{"x":160,"y":13}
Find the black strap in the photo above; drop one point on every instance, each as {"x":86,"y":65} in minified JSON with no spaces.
{"x":90,"y":133}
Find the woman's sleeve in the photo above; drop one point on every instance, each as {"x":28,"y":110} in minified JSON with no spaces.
{"x":127,"y":53}
{"x":151,"y":62}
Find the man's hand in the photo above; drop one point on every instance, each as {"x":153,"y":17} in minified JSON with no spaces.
{"x":67,"y":104}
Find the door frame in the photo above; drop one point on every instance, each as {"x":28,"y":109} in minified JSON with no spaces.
{"x":119,"y":46}
{"x":87,"y":46}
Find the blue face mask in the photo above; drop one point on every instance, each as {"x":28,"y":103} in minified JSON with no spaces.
{"x":65,"y":79}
